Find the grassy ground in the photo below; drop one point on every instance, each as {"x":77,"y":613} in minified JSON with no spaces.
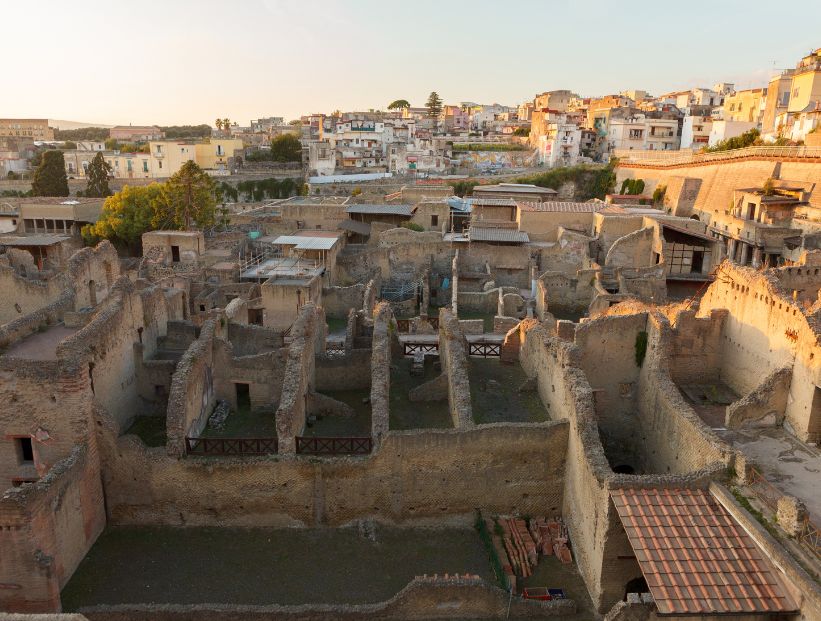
{"x":356,"y":426}
{"x":487,"y":317}
{"x":494,"y":391}
{"x":263,"y":566}
{"x":150,"y":429}
{"x":551,"y":573}
{"x":245,"y":424}
{"x":336,"y":325}
{"x":406,"y":414}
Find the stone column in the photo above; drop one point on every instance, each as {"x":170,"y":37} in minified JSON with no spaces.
{"x":757,"y":253}
{"x":731,"y":249}
{"x":745,"y":253}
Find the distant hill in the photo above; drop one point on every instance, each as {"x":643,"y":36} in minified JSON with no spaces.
{"x":60,"y":124}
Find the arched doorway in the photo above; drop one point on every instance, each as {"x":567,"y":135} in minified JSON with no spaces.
{"x":636,"y":585}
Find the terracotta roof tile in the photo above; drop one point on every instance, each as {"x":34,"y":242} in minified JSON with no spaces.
{"x":695,"y":557}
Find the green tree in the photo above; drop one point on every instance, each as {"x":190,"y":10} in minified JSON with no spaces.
{"x":125,"y":217}
{"x":97,"y":175}
{"x":434,"y":105}
{"x":747,"y":139}
{"x":188,"y":197}
{"x":112,"y":144}
{"x":68,"y":145}
{"x":522,"y":131}
{"x":50,"y":177}
{"x":286,"y":148}
{"x":399,"y":104}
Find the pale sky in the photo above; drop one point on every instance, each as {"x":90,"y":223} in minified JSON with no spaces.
{"x":182,"y":61}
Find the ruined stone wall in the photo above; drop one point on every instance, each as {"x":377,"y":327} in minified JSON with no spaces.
{"x":600,"y":546}
{"x":383,"y":328}
{"x":251,"y":339}
{"x":46,"y":528}
{"x":27,"y":294}
{"x":633,"y":250}
{"x":608,"y":358}
{"x":453,"y":354}
{"x":337,"y":301}
{"x":49,"y":315}
{"x":765,"y":331}
{"x":192,"y":394}
{"x":263,"y":372}
{"x":103,"y":348}
{"x":351,"y":371}
{"x":696,"y":347}
{"x":307,"y":333}
{"x":676,"y":439}
{"x":414,"y":476}
{"x":569,"y":253}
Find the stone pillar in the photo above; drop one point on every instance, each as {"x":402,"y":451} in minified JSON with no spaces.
{"x":731,"y":249}
{"x":745,"y":254}
{"x":791,"y":515}
{"x":757,"y":253}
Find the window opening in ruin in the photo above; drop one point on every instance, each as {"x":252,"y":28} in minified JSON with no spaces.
{"x":175,"y":254}
{"x":697,"y":262}
{"x":434,"y":220}
{"x":91,"y":375}
{"x":255,"y":316}
{"x":243,"y":397}
{"x":202,"y":308}
{"x":624,"y":469}
{"x":25,"y":451}
{"x":140,"y":334}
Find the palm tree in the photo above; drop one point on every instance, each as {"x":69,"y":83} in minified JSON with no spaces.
{"x":226,"y":124}
{"x":218,"y":123}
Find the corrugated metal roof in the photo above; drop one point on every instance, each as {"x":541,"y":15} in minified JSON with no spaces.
{"x":392,"y":210}
{"x":363,"y":228}
{"x":524,"y":188}
{"x":492,"y":202}
{"x":306,"y":243}
{"x":478,"y":233}
{"x":695,"y":557}
{"x":32,"y":240}
{"x":564,"y":207}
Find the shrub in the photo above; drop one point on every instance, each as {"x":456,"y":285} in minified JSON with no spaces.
{"x":412,"y":226}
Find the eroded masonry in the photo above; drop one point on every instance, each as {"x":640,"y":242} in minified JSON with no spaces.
{"x":525,"y":409}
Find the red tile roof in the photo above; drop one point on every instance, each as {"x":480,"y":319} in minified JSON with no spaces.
{"x":695,"y":557}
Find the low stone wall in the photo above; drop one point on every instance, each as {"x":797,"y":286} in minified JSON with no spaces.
{"x":472,"y":326}
{"x":412,"y":477}
{"x":249,"y":338}
{"x":27,"y":325}
{"x":453,"y":354}
{"x":46,"y":528}
{"x":424,"y":598}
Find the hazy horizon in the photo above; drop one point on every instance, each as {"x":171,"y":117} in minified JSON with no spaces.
{"x":188,"y":63}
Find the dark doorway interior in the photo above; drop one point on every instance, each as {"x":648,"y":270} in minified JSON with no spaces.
{"x":243,"y":397}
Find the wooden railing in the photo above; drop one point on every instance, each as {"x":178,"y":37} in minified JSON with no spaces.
{"x":308,"y":445}
{"x":411,"y":348}
{"x":230,"y":446}
{"x":486,"y":350}
{"x":810,"y":537}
